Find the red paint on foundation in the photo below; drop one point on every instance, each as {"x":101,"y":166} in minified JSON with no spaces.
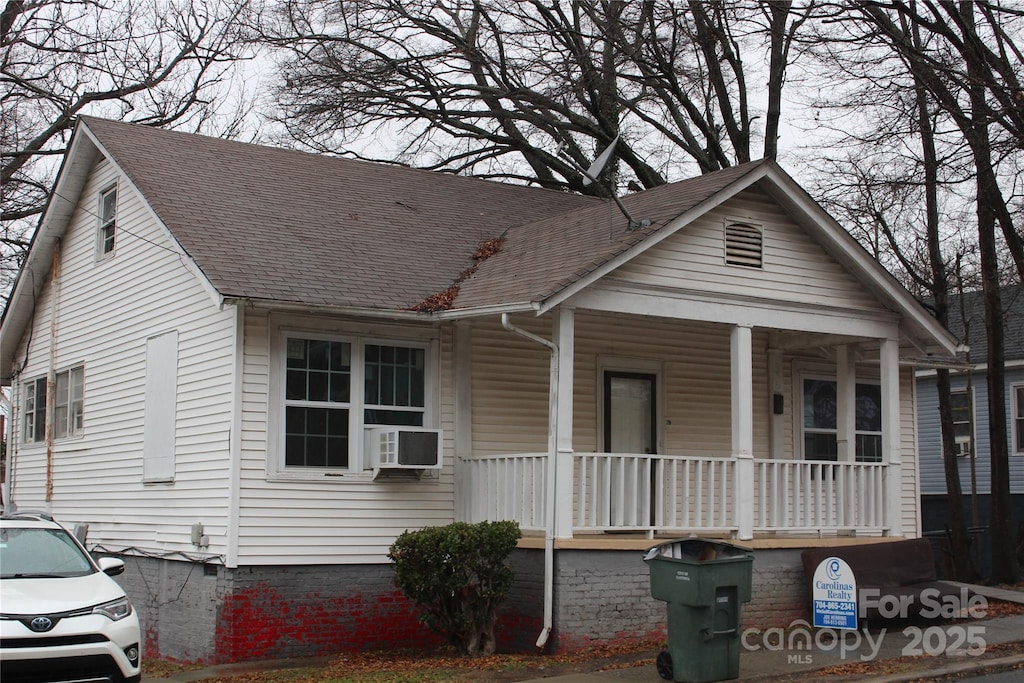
{"x":261,"y":623}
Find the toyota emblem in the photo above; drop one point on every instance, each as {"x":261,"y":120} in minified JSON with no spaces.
{"x":41,"y":624}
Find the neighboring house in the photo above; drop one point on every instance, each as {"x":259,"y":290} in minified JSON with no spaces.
{"x":969,"y":385}
{"x":222,"y":356}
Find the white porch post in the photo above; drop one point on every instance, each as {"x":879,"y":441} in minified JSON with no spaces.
{"x":564,"y":337}
{"x":890,"y":389}
{"x":743,"y":429}
{"x":846,"y":403}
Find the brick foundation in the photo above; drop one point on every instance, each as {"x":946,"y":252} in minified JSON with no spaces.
{"x":210,"y":614}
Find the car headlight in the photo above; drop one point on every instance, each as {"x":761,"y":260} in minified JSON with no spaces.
{"x":115,"y":610}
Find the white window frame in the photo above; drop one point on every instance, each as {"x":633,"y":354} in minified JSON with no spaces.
{"x":359,"y":469}
{"x":33,"y":419}
{"x":105,"y":223}
{"x":965,"y":444}
{"x":802,"y":430}
{"x":72,"y":423}
{"x":1017,"y":418}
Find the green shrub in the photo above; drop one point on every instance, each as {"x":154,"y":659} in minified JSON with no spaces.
{"x":457,"y":575}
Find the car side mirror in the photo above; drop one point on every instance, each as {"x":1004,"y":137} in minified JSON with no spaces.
{"x":111,"y":566}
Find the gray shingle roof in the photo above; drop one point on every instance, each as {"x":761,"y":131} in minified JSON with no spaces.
{"x":276,"y":225}
{"x":974,"y":333}
{"x":538,"y":259}
{"x":272,"y":224}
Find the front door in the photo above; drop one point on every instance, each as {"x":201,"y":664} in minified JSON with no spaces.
{"x":630,"y":426}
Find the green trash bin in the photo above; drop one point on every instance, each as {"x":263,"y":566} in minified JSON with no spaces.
{"x":704,"y":582}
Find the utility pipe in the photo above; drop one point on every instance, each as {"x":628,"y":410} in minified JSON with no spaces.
{"x":549,"y":535}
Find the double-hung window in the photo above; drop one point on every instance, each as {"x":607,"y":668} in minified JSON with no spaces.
{"x":68,"y":402}
{"x":318,"y":392}
{"x":1018,"y":419}
{"x":34,"y":410}
{"x":334,"y":387}
{"x":108,"y":218}
{"x":68,"y":405}
{"x":963,"y":421}
{"x":820,"y":432}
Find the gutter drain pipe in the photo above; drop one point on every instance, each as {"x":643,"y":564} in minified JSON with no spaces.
{"x":549,"y":535}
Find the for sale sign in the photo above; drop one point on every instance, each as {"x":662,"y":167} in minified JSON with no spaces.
{"x":834,"y":594}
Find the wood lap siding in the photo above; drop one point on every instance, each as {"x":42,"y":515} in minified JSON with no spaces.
{"x":795,"y":268}
{"x":107,"y":310}
{"x":510,"y":383}
{"x":328,"y":521}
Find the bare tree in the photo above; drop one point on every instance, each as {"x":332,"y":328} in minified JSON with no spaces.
{"x":495,"y":89}
{"x":157,"y":62}
{"x":957,"y":64}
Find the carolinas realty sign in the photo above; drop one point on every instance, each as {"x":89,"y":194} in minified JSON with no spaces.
{"x":834,"y":594}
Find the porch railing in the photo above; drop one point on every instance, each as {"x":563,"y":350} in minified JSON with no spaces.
{"x":674,"y":494}
{"x":620,"y":492}
{"x":805,"y":495}
{"x":507,"y":487}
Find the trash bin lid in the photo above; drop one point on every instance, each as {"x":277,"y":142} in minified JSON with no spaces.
{"x":695,"y":549}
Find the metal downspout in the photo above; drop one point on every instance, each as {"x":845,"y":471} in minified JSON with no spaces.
{"x":549,"y":535}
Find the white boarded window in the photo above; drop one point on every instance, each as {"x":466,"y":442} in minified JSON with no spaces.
{"x":161,"y":407}
{"x":744,"y":244}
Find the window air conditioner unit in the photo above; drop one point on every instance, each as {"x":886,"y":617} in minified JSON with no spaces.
{"x":404,"y":448}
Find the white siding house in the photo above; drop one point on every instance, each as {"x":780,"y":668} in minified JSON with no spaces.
{"x":207,"y":334}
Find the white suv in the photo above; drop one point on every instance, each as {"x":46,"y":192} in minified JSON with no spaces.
{"x":63,"y":618}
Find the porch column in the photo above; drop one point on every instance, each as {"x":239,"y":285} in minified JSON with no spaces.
{"x":742,"y":374}
{"x":564,"y":337}
{"x":846,"y":404}
{"x":890,"y":388}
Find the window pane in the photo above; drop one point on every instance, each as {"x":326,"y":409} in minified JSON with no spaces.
{"x":869,"y":408}
{"x":318,"y":370}
{"x":316,"y":437}
{"x":339,"y":387}
{"x":819,"y":446}
{"x":319,"y":354}
{"x":819,"y":404}
{"x":318,"y":383}
{"x":60,"y":422}
{"x":394,"y":376}
{"x":869,"y":448}
{"x":393,"y":417}
{"x":297,"y":353}
{"x":295,"y":389}
{"x":109,"y":205}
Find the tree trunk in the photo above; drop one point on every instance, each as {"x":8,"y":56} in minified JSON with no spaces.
{"x":1004,"y":546}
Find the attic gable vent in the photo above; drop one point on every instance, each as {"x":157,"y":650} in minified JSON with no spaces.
{"x":744,"y":244}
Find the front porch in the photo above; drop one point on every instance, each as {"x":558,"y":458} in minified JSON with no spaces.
{"x":674,"y":495}
{"x":731,"y":446}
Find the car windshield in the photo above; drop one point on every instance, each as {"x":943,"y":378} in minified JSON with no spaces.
{"x":41,"y":553}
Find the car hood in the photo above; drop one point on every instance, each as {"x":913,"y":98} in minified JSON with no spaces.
{"x":49,"y":596}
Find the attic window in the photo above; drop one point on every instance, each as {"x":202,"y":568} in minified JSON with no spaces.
{"x":744,"y":244}
{"x":107,"y":219}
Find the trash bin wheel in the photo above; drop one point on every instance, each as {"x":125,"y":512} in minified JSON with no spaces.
{"x":664,"y":665}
